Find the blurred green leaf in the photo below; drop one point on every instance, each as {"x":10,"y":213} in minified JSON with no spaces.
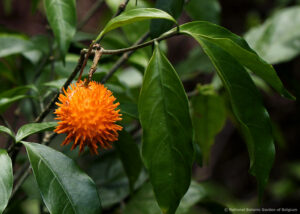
{"x":283,"y":188}
{"x":15,"y":91}
{"x":64,"y":187}
{"x":58,"y":84}
{"x":197,"y":61}
{"x":110,"y":178}
{"x":130,"y":157}
{"x":6,"y":179}
{"x":203,"y":10}
{"x":6,"y":102}
{"x":278,"y":39}
{"x":31,"y":188}
{"x":247,"y":107}
{"x":7,"y":6}
{"x":6,"y":130}
{"x":208,"y":116}
{"x":13,"y":44}
{"x":134,"y":15}
{"x":61,"y":15}
{"x":32,"y":128}
{"x":174,"y":8}
{"x":294,"y":169}
{"x":144,"y":201}
{"x":39,"y":46}
{"x":129,"y":109}
{"x":6,"y":73}
{"x":167,"y":132}
{"x":237,"y":48}
{"x":131,"y":77}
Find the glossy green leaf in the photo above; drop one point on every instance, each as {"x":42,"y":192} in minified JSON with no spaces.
{"x":278,"y":39}
{"x":203,"y":10}
{"x":130,"y":157}
{"x":173,"y":7}
{"x":6,"y":130}
{"x":32,"y":128}
{"x":237,"y":48}
{"x":134,"y":15}
{"x":208,"y":116}
{"x":134,"y":31}
{"x":167,"y":132}
{"x":6,"y":179}
{"x":248,"y":109}
{"x":144,"y":201}
{"x":61,"y":15}
{"x":63,"y":186}
{"x":13,"y":44}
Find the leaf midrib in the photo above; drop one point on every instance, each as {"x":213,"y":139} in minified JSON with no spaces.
{"x":57,"y":178}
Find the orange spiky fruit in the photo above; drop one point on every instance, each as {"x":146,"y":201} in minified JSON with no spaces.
{"x":88,"y":115}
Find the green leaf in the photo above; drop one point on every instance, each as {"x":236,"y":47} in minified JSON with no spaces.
{"x":134,"y":31}
{"x":10,"y":96}
{"x":129,"y":109}
{"x":32,"y":128}
{"x":63,"y":186}
{"x":13,"y":44}
{"x":110,"y":178}
{"x":277,"y":40}
{"x":167,"y":132}
{"x":58,"y":84}
{"x":203,"y":10}
{"x":248,"y":109}
{"x":6,"y":130}
{"x":130,"y":157}
{"x":6,"y":102}
{"x":197,"y":62}
{"x":16,"y":91}
{"x":134,"y":15}
{"x":237,"y":48}
{"x":173,"y":7}
{"x":6,"y":179}
{"x":208,"y":115}
{"x":144,"y":201}
{"x":61,"y":15}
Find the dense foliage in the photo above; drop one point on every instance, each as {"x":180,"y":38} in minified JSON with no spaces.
{"x":170,"y":119}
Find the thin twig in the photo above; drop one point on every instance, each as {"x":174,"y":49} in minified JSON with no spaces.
{"x":136,"y":46}
{"x":90,"y":13}
{"x":65,"y":86}
{"x":86,"y":57}
{"x":121,"y":8}
{"x":97,"y":57}
{"x":123,"y":59}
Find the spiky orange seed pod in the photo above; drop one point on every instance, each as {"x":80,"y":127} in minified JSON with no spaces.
{"x":88,"y":115}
